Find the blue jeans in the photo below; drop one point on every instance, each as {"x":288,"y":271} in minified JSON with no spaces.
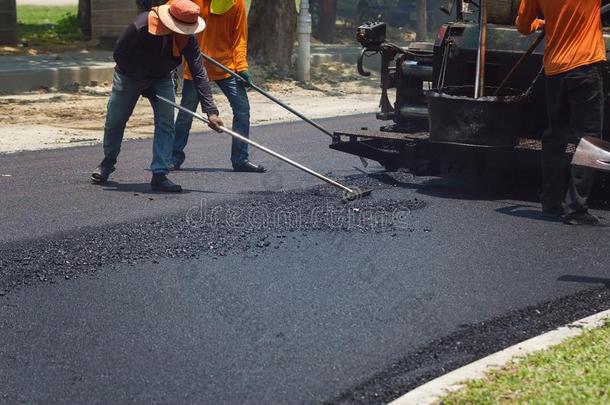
{"x":238,"y":98}
{"x":123,"y":99}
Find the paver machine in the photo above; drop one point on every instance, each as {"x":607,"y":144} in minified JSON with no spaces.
{"x":451,"y":61}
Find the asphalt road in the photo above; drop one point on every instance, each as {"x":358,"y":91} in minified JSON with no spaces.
{"x":265,"y":288}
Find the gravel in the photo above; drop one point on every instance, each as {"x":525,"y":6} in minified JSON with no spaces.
{"x":248,"y":225}
{"x":470,"y":343}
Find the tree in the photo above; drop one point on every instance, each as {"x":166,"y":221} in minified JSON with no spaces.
{"x":272,"y":31}
{"x":325,"y":19}
{"x":84,"y":17}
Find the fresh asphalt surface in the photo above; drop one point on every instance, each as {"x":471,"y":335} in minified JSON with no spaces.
{"x":138,"y":303}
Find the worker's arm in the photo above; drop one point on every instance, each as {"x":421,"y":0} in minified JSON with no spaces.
{"x":192,"y":54}
{"x":240,"y":41}
{"x":527,"y":20}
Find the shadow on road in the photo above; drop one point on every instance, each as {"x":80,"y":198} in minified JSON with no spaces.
{"x":205,"y":170}
{"x":144,"y":188}
{"x":527,"y":212}
{"x":492,"y":186}
{"x":462,"y":187}
{"x":585,"y":279}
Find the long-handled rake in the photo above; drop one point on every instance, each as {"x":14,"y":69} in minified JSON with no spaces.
{"x":274,"y":99}
{"x":350,"y":194}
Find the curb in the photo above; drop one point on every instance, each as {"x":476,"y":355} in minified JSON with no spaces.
{"x":28,"y":80}
{"x":432,"y":391}
{"x":23,"y":73}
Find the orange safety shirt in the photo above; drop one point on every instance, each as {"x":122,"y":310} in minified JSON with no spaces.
{"x":573,"y":29}
{"x":224,"y":39}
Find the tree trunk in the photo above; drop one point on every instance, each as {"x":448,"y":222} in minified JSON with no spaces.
{"x":422,"y":20}
{"x":84,"y":17}
{"x":328,"y":16}
{"x":8,"y":22}
{"x":272,"y":32}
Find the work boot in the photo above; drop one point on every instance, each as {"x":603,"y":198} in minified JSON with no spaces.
{"x":101,"y":174}
{"x":160,"y":182}
{"x":249,"y":167}
{"x":581,"y":219}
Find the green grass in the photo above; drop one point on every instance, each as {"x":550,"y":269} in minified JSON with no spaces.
{"x":575,"y":372}
{"x":44,"y":25}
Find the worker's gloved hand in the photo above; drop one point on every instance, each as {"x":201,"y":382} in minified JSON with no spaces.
{"x":247,"y":77}
{"x":215,"y":122}
{"x":539,"y":24}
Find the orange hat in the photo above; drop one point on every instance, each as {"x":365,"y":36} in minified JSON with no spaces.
{"x":180,"y":16}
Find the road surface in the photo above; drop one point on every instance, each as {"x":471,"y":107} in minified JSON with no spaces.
{"x":265,"y":288}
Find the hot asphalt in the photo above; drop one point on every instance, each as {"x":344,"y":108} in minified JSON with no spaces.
{"x":266,"y":288}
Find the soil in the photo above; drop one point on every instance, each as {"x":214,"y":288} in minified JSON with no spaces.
{"x":75,"y":116}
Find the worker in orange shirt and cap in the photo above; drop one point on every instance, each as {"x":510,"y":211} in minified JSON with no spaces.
{"x":225,"y":39}
{"x":574,"y":52}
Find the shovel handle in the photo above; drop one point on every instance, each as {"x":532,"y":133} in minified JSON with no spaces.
{"x":260,"y":147}
{"x":530,"y":51}
{"x":266,"y":94}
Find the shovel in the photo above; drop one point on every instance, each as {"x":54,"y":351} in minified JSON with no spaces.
{"x":594,"y":153}
{"x":222,"y":67}
{"x":522,"y":59}
{"x":349,"y":193}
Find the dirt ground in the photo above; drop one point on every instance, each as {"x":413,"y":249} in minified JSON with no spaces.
{"x":74,"y":117}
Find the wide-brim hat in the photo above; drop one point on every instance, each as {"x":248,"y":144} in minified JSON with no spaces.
{"x":182,"y":17}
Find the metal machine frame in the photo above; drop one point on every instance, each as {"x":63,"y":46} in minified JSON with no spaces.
{"x":451,"y":60}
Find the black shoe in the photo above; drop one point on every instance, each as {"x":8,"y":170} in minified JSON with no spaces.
{"x":160,"y":182}
{"x":249,"y":167}
{"x":102,"y":173}
{"x":581,"y":219}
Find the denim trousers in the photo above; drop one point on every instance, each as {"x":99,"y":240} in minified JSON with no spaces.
{"x":238,"y":98}
{"x":575,"y":104}
{"x":123,"y":99}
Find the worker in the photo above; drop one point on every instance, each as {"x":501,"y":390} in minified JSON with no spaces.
{"x":225,"y":40}
{"x":146,"y":54}
{"x":574,"y":50}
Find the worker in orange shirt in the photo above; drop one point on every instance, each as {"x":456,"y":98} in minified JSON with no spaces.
{"x":574,"y":50}
{"x":225,"y":39}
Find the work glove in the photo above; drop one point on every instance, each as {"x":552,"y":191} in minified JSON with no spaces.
{"x":247,"y":78}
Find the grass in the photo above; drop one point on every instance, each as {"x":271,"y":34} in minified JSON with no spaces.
{"x":48,"y":25}
{"x":575,"y":372}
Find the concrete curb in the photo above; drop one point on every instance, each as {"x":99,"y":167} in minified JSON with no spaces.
{"x":29,"y":73}
{"x":432,"y":391}
{"x":29,"y":80}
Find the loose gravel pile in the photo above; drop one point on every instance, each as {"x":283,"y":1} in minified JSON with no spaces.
{"x":254,"y":224}
{"x":471,"y":343}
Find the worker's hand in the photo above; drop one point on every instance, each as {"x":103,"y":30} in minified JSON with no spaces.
{"x":539,"y":24}
{"x":215,"y":122}
{"x":247,"y":78}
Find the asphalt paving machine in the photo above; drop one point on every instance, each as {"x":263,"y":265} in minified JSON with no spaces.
{"x":451,"y":61}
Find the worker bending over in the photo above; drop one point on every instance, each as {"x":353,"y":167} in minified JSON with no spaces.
{"x":225,"y":40}
{"x":574,"y":50}
{"x":146,"y":54}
